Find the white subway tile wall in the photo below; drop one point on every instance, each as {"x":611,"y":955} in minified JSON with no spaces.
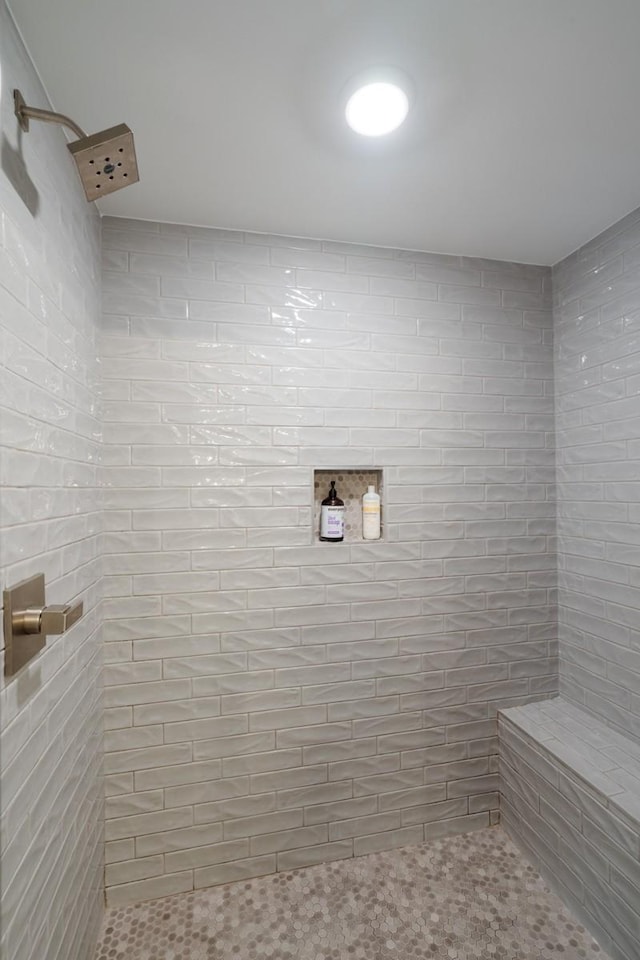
{"x":597,"y":323}
{"x":273,"y":701}
{"x":51,"y":739}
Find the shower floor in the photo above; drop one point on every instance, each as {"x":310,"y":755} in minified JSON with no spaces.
{"x":462,"y":897}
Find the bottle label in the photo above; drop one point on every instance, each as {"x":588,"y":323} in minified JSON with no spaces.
{"x":332,"y":522}
{"x":371,"y":508}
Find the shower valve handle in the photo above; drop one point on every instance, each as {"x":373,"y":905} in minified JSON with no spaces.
{"x":53,"y":619}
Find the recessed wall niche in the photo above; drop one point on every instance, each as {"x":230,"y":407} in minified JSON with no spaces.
{"x":350,"y":485}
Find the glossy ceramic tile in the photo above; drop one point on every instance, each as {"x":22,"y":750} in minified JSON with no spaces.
{"x":597,"y":361}
{"x":51,"y":804}
{"x":295,"y":357}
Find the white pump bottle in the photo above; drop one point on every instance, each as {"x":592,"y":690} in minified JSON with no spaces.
{"x":371,"y":514}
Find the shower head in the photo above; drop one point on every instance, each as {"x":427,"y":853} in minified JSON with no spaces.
{"x":106,"y":161}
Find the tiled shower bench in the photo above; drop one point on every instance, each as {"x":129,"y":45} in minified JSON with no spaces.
{"x":570,"y":797}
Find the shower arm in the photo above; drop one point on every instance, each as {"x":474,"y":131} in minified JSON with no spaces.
{"x":25,"y":113}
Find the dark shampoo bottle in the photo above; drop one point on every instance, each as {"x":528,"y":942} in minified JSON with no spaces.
{"x":332,"y":516}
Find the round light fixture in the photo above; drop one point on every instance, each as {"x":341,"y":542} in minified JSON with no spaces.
{"x":376,"y":108}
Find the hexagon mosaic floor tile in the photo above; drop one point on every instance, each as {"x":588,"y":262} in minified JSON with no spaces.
{"x":467,"y":897}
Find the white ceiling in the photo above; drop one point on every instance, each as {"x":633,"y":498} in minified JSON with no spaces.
{"x":522,"y":143}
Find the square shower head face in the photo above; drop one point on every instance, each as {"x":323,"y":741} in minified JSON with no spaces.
{"x":106,"y":161}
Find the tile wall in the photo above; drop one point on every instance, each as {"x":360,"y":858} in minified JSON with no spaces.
{"x":51,"y":712}
{"x":273,"y":701}
{"x":597,"y":330}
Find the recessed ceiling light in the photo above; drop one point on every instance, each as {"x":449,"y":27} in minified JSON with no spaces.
{"x":377,"y":108}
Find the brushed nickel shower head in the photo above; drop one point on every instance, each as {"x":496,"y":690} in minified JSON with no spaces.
{"x":106,"y":160}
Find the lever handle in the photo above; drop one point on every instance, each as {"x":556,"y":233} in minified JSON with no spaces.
{"x":53,"y":619}
{"x":58,"y":617}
